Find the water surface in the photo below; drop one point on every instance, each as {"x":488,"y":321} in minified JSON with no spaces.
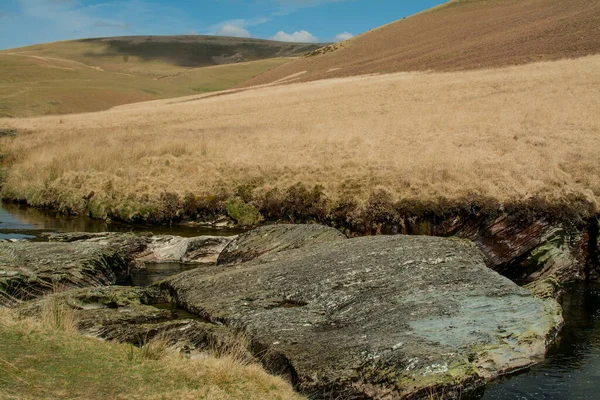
{"x":155,"y":272}
{"x":23,"y":222}
{"x":572,"y":369}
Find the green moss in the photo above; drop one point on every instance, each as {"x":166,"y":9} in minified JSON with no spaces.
{"x":547,"y":288}
{"x":243,"y":213}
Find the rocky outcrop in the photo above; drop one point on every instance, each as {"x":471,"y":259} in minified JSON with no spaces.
{"x":29,"y":269}
{"x":136,"y":316}
{"x":127,"y":243}
{"x":202,"y":249}
{"x":160,"y":248}
{"x":275,"y":238}
{"x":377,"y":317}
{"x":548,"y":288}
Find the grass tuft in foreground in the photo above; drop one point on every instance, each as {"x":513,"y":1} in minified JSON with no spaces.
{"x":45,"y":358}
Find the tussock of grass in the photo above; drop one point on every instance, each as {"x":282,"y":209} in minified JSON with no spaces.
{"x":506,"y":134}
{"x":41,"y":362}
{"x":56,"y":314}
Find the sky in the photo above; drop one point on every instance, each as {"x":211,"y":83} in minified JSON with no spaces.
{"x":25,"y":22}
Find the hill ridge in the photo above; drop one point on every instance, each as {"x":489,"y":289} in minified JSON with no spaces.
{"x":96,"y":74}
{"x":458,"y":35}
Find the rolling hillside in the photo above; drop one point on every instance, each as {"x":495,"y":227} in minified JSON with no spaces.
{"x":96,"y":74}
{"x":459,"y":35}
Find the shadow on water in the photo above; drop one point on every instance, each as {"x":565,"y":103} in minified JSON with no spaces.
{"x":22,"y":222}
{"x":155,"y":272}
{"x":572,"y":367}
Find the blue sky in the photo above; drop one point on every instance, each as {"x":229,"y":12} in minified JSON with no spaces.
{"x":24,"y":22}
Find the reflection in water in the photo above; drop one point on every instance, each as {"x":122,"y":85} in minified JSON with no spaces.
{"x":572,"y":368}
{"x":13,"y":228}
{"x":18,"y":221}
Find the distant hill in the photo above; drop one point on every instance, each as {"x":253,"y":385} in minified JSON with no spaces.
{"x":96,"y":74}
{"x":458,"y":35}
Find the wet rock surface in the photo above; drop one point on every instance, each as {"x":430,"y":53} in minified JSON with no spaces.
{"x":28,"y":270}
{"x":276,"y":238}
{"x":381,"y":317}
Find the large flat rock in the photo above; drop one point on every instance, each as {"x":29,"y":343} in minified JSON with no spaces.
{"x":377,"y":317}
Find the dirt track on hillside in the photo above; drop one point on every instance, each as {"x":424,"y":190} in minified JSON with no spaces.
{"x":462,"y":35}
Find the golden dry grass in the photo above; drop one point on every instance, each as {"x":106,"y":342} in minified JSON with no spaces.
{"x":97,"y":74}
{"x":508,"y":133}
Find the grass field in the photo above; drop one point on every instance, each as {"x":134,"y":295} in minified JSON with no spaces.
{"x":44,"y":361}
{"x":507,"y":134}
{"x":96,"y":74}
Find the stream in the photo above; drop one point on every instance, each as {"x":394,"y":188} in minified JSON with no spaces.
{"x":22,"y":222}
{"x":571,"y":370}
{"x":572,"y":366}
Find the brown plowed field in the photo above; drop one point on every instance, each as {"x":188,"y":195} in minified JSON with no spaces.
{"x":459,"y":35}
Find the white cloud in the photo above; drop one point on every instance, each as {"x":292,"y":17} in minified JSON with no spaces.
{"x":35,"y":21}
{"x":299,"y":36}
{"x":343,"y":36}
{"x":232,"y":30}
{"x":235,"y":27}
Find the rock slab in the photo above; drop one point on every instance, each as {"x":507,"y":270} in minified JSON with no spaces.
{"x":377,"y":317}
{"x":200,"y":250}
{"x":30,"y":269}
{"x":160,"y":248}
{"x":276,"y":238}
